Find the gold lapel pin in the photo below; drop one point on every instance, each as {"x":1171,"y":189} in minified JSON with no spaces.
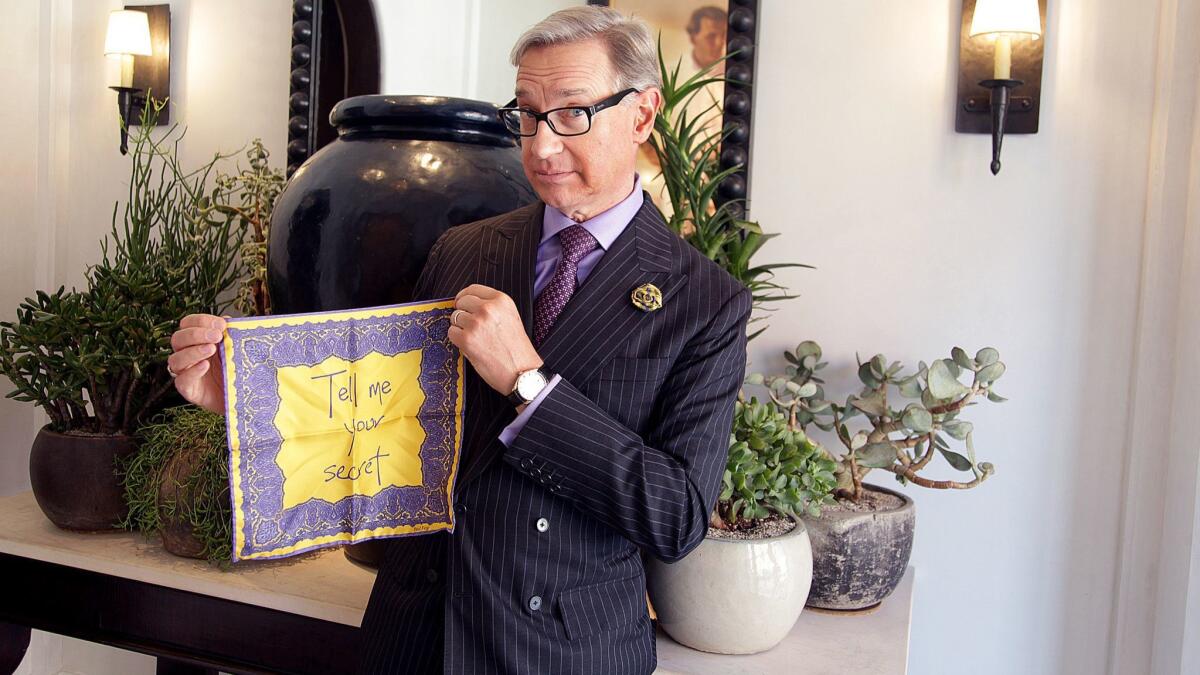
{"x":647,"y":297}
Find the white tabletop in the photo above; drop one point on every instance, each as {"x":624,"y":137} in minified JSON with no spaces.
{"x":870,"y":642}
{"x":324,"y":584}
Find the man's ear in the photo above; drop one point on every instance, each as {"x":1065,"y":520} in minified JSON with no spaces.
{"x":648,"y":104}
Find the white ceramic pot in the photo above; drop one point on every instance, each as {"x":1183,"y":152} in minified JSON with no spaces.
{"x":734,"y":596}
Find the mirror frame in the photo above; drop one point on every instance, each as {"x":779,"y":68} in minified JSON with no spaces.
{"x":328,"y":67}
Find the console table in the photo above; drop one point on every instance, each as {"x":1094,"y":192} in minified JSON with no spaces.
{"x":301,"y":614}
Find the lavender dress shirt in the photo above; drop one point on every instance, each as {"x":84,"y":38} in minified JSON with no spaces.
{"x":605,"y":227}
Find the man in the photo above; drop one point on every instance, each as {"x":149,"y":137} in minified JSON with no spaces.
{"x":617,"y":447}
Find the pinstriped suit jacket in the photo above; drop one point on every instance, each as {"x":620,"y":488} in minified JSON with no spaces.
{"x":543,"y":572}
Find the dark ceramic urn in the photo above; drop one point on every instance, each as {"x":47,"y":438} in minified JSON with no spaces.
{"x":357,"y":220}
{"x":355,"y":224}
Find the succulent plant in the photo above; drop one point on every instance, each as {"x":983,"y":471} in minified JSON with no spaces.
{"x":772,"y":468}
{"x":902,"y":437}
{"x":247,"y":197}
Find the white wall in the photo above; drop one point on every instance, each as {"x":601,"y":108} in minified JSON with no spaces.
{"x":466,"y":55}
{"x":918,"y":249}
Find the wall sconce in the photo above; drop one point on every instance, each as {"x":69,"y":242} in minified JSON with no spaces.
{"x":139,"y":41}
{"x":1000,"y":42}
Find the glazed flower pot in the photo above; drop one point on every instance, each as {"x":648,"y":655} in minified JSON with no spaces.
{"x":859,"y":557}
{"x":733,"y":596}
{"x":74,"y":478}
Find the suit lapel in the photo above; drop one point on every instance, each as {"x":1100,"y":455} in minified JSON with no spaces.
{"x":592,"y":325}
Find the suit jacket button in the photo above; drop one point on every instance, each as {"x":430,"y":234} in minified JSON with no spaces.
{"x":535,"y":603}
{"x":431,"y":575}
{"x":542,"y":524}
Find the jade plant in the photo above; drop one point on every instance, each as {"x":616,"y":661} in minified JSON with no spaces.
{"x":248,"y":198}
{"x":688,"y":155}
{"x":772,"y":468}
{"x":95,"y":359}
{"x":909,"y":418}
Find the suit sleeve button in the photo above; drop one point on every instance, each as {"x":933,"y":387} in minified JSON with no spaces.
{"x":542,"y":524}
{"x":535,"y":603}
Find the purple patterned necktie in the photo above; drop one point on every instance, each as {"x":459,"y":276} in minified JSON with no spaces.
{"x":576,"y":242}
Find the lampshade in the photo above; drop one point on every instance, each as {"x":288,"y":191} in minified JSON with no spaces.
{"x":1006,"y":16}
{"x":128,"y":33}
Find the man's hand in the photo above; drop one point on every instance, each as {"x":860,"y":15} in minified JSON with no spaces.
{"x":491,"y":335}
{"x":199,"y":375}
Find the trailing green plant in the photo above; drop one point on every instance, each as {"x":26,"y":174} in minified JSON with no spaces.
{"x":200,"y":436}
{"x":95,"y":359}
{"x":688,"y":156}
{"x":772,"y":467}
{"x":901,"y":437}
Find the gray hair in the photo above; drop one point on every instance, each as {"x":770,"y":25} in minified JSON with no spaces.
{"x":631,"y":50}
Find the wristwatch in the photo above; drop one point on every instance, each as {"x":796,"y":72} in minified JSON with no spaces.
{"x":529,"y":385}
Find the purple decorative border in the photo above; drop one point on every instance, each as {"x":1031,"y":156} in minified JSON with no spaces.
{"x":257,"y":355}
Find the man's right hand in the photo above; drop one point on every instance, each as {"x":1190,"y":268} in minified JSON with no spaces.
{"x":199,"y":375}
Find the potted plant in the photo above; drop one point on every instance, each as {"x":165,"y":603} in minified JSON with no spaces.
{"x":722,"y":597}
{"x":95,"y":360}
{"x":177,"y":483}
{"x":862,"y":541}
{"x":743,"y":588}
{"x":687,"y":154}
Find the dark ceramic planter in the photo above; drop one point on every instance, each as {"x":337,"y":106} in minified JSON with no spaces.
{"x":355,"y":224}
{"x":859,"y":557}
{"x":74,"y":479}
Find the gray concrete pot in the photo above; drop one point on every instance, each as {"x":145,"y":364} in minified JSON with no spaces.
{"x":859,"y":557}
{"x":733,"y":596}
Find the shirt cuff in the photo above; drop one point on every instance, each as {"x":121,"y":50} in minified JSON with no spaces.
{"x":514,"y":427}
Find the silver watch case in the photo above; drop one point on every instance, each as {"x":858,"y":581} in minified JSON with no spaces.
{"x":530,"y":384}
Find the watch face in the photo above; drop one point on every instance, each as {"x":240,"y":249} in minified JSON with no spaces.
{"x":529,"y":384}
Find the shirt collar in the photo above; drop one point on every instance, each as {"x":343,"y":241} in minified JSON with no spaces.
{"x":605,"y":226}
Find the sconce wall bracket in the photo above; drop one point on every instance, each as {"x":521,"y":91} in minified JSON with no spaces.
{"x":153,"y":73}
{"x":973,"y":113}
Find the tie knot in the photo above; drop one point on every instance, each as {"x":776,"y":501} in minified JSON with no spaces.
{"x":576,"y":242}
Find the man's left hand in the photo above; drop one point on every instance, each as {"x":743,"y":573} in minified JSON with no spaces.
{"x":491,"y":335}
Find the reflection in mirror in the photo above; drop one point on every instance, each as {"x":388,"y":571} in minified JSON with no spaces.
{"x":455,"y":47}
{"x":691,"y":34}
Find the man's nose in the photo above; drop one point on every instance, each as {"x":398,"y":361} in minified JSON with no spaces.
{"x":545,"y":143}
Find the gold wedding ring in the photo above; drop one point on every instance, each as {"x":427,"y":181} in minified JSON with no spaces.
{"x":454,"y":318}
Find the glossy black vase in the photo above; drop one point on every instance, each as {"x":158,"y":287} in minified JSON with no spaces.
{"x":355,"y":224}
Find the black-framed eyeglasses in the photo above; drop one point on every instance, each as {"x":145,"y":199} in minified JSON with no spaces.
{"x":574,"y":120}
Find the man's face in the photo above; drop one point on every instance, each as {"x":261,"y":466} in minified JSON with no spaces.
{"x":708,"y":44}
{"x":579,"y":175}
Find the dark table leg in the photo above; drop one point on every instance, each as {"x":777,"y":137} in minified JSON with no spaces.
{"x":14,"y":641}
